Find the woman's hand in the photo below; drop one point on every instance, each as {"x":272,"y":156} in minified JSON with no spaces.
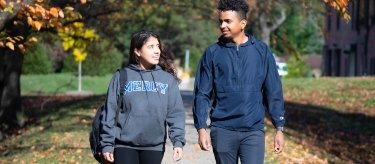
{"x":177,"y":154}
{"x":108,"y":157}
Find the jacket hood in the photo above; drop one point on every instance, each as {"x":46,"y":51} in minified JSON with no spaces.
{"x":228,"y":43}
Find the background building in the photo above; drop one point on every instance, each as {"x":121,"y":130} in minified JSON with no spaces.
{"x":350,"y":47}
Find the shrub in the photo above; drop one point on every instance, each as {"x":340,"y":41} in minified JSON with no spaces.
{"x":37,"y":60}
{"x":297,"y":68}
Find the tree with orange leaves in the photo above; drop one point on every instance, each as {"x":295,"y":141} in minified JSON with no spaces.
{"x":341,"y":6}
{"x":20,"y":20}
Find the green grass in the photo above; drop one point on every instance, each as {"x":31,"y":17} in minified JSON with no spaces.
{"x":341,"y":94}
{"x":62,"y":83}
{"x":309,"y":84}
{"x":370,"y":102}
{"x":61,"y":135}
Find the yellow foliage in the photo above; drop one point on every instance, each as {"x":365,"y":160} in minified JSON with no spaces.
{"x":68,"y":43}
{"x":79,"y":55}
{"x":76,"y":38}
{"x":90,"y":33}
{"x":78,"y":25}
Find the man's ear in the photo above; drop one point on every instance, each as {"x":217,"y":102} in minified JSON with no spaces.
{"x":243,"y":24}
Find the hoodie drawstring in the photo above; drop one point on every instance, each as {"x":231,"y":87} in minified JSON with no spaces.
{"x":143,"y":83}
{"x":153,"y":79}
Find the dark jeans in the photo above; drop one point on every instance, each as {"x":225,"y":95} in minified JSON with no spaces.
{"x":132,"y":156}
{"x":229,"y":145}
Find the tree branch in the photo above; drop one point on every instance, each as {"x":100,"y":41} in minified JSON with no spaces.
{"x":279,"y":21}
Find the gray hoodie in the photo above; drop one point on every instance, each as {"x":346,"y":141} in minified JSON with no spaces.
{"x":151,"y":101}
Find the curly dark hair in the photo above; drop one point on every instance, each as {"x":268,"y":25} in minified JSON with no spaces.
{"x":165,"y":61}
{"x":239,"y":6}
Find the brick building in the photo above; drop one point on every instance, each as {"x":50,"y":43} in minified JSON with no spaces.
{"x":350,"y":47}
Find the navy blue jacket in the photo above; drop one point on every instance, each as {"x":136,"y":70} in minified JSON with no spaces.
{"x":244,"y":83}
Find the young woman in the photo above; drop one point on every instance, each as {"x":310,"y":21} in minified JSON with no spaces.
{"x":151,"y":101}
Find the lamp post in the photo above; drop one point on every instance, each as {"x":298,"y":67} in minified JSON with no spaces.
{"x":80,"y":76}
{"x":187,"y":56}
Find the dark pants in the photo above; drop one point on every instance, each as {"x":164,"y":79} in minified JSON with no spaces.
{"x":133,"y":156}
{"x":229,"y":145}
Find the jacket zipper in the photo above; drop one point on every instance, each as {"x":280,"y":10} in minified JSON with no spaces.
{"x":237,"y":64}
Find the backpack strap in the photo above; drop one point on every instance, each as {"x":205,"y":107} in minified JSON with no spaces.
{"x":123,"y":79}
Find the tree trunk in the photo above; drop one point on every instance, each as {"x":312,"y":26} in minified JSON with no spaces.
{"x":11,"y":113}
{"x":266,"y":35}
{"x":268,"y":26}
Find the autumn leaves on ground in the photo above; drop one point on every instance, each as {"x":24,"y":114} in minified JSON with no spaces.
{"x":329,"y":120}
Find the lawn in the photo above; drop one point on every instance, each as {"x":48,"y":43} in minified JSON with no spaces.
{"x":329,"y":120}
{"x":335,"y":116}
{"x":62,"y":83}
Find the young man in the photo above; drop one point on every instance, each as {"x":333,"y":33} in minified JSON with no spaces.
{"x":240,"y":72}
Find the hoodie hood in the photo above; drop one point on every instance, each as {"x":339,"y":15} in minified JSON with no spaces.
{"x":139,"y":69}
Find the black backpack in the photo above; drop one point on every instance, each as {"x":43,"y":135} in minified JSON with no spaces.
{"x":95,"y":131}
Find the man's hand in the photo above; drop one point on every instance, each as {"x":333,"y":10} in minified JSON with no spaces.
{"x":204,"y":140}
{"x":177,"y":154}
{"x":108,"y":157}
{"x":279,"y":142}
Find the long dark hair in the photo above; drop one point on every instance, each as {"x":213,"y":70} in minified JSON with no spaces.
{"x":165,"y":61}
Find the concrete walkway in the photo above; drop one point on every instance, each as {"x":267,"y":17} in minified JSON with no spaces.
{"x":192,"y":152}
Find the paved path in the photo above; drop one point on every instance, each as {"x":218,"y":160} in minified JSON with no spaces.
{"x":192,"y":153}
